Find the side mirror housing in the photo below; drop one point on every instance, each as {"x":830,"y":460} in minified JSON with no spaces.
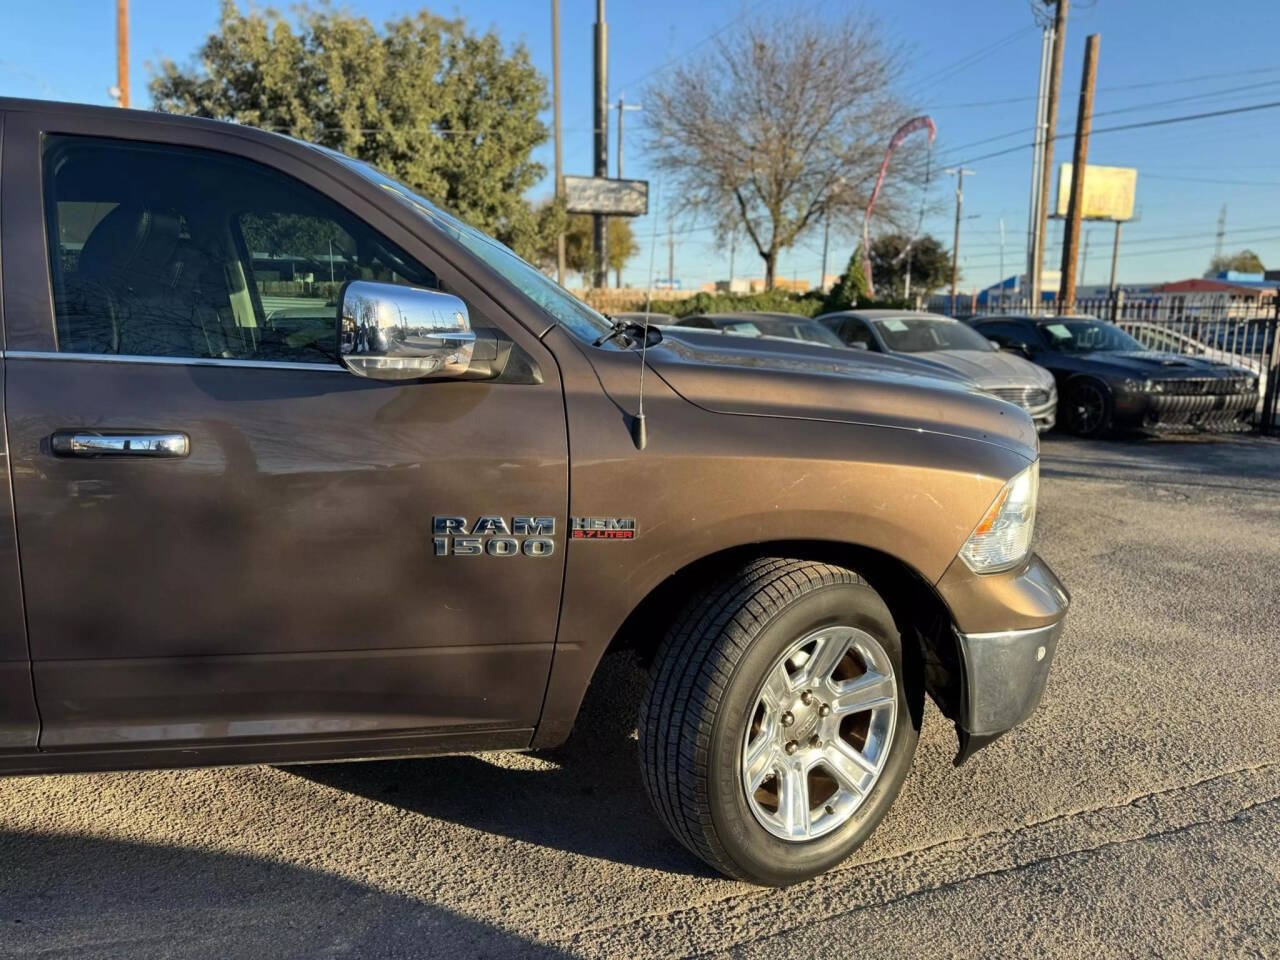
{"x":994,"y":345}
{"x":390,"y":332}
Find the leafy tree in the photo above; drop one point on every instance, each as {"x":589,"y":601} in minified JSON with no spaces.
{"x":579,"y":246}
{"x":781,"y":126}
{"x":930,"y":265}
{"x":851,"y":289}
{"x":446,"y":110}
{"x":1246,"y":261}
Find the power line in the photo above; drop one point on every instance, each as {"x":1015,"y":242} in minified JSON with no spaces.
{"x":1271,"y":105}
{"x":1112,"y":89}
{"x":1104,"y":113}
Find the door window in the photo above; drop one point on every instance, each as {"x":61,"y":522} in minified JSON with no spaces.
{"x":174,"y":252}
{"x":856,"y":331}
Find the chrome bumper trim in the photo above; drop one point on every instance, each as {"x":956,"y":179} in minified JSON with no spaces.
{"x":1004,"y":676}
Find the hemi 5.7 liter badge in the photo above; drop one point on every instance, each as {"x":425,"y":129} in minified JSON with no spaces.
{"x":602,"y":528}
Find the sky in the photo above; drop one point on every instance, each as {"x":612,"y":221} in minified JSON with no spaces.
{"x":972,"y":66}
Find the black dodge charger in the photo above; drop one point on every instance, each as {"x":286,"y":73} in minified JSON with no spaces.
{"x":1106,"y":379}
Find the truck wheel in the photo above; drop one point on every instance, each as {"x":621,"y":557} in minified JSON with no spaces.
{"x":777,"y":729}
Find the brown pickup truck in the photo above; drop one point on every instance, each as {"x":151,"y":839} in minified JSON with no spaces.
{"x":302,"y":468}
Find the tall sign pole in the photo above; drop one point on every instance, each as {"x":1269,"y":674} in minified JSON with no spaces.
{"x":599,"y":227}
{"x":1071,"y":229}
{"x":1051,"y":129}
{"x":122,"y":51}
{"x":960,"y":173}
{"x":555,"y":84}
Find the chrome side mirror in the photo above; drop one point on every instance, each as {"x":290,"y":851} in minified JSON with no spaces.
{"x":994,"y":346}
{"x":390,"y":332}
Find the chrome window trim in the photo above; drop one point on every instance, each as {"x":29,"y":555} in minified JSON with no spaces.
{"x":173,"y":361}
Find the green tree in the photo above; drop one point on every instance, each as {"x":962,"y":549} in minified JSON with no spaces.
{"x":579,"y":246}
{"x":1246,"y":261}
{"x":929,"y":261}
{"x":447,"y":111}
{"x":851,"y":289}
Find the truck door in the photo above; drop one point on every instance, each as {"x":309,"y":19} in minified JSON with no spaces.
{"x":19,"y":726}
{"x":278,"y":581}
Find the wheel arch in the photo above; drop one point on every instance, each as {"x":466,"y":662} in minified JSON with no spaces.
{"x":923,"y":619}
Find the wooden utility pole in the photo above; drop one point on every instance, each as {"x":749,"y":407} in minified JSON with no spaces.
{"x":600,"y":223}
{"x":1051,"y":128}
{"x":122,"y":51}
{"x":1115,"y":257}
{"x":1071,"y":229}
{"x":960,"y":173}
{"x":555,"y":84}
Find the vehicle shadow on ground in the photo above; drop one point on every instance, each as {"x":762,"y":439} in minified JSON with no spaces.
{"x":585,"y":797}
{"x":86,"y":897}
{"x":1168,"y":461}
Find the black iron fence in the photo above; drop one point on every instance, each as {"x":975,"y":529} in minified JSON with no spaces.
{"x":1242,"y":333}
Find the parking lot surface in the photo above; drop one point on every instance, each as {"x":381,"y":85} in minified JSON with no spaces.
{"x":1137,"y":813}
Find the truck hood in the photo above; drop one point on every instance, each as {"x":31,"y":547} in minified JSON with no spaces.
{"x":774,"y":378}
{"x":990,"y":368}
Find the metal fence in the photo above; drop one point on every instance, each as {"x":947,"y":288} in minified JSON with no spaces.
{"x":1243,"y":333}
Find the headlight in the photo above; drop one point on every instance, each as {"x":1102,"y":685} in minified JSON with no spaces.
{"x":1142,"y":386}
{"x":1003,"y":537}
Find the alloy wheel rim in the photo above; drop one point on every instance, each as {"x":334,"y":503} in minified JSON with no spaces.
{"x":819,"y":734}
{"x":1087,"y":408}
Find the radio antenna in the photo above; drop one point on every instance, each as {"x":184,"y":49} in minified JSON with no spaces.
{"x":638,"y":435}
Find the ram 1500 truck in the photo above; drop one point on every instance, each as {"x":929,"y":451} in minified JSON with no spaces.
{"x":300,"y":468}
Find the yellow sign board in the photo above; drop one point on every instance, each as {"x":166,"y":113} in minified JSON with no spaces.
{"x":1108,"y":192}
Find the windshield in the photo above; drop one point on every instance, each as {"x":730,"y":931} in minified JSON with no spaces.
{"x":1087,"y":336}
{"x":910,"y":334}
{"x":790,"y":329}
{"x":563,"y":306}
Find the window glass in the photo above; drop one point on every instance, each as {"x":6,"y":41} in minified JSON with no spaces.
{"x":1007,"y":333}
{"x":910,"y":334}
{"x":581,"y":320}
{"x":173,"y":252}
{"x":855,"y":331}
{"x":1074,"y":335}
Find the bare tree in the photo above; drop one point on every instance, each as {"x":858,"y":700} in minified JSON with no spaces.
{"x":784,"y":125}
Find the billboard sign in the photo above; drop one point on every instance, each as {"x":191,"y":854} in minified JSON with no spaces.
{"x":1108,"y":192}
{"x":617,"y":198}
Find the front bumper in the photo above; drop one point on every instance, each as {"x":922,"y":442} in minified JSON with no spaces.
{"x":1006,"y":628}
{"x":1172,"y":412}
{"x":1004,"y":678}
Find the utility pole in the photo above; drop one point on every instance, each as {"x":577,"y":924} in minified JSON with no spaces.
{"x":1084,"y":258}
{"x":1051,"y":129}
{"x":960,"y":173}
{"x":1002,"y":260}
{"x":555,"y":84}
{"x":622,"y":107}
{"x":1071,"y":229}
{"x":1115,"y":256}
{"x":826,"y":238}
{"x":1222,"y":229}
{"x":671,"y":253}
{"x":121,"y":91}
{"x":600,"y":232}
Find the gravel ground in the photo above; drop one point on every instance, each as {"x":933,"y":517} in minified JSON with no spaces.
{"x":1137,"y":813}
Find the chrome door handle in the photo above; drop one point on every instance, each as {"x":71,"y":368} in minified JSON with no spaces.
{"x":89,"y":443}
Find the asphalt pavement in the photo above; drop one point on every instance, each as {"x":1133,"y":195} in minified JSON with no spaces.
{"x":1136,"y":814}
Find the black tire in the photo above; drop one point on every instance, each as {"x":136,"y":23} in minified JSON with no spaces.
{"x":1087,"y":408}
{"x":705,"y":680}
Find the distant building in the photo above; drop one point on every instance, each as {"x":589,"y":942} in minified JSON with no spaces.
{"x":756,"y":285}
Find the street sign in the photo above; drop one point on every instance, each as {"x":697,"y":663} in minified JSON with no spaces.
{"x":616,"y":198}
{"x":1108,"y":192}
